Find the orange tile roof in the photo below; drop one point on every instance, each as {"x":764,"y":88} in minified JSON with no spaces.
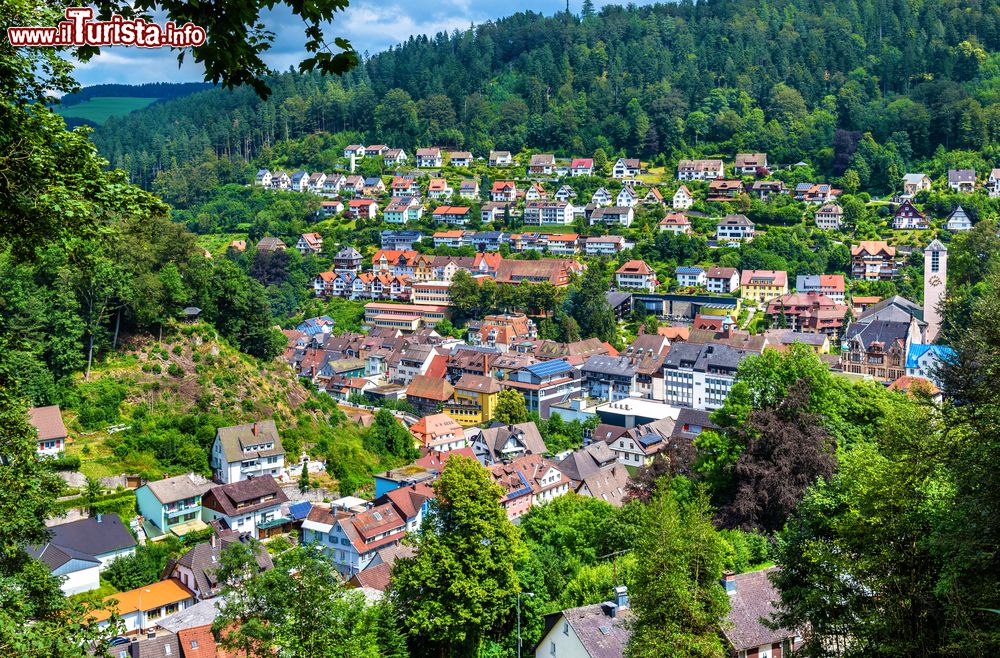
{"x":146,"y":598}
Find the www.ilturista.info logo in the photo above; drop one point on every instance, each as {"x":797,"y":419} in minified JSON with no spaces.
{"x":80,"y":29}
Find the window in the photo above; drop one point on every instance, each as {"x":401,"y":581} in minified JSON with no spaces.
{"x":565,"y":627}
{"x":552,"y":648}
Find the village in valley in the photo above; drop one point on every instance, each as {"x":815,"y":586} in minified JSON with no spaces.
{"x":545,"y":414}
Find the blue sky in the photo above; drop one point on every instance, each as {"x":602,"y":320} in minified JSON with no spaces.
{"x":371,"y":25}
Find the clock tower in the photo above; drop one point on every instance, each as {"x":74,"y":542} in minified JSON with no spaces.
{"x":935,"y":278}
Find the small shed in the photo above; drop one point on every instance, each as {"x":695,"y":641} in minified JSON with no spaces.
{"x":191,"y":313}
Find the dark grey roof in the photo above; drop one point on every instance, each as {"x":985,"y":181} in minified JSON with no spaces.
{"x":616,"y":299}
{"x":92,"y":536}
{"x":702,"y":358}
{"x":587,"y":461}
{"x":199,"y":614}
{"x":164,"y":645}
{"x":227,"y":498}
{"x":878,"y":331}
{"x":896,"y":308}
{"x":235,"y":438}
{"x":753,"y":599}
{"x":56,"y":556}
{"x":203,"y":561}
{"x":602,"y":636}
{"x":609,"y":365}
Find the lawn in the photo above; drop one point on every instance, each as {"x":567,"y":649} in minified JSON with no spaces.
{"x":217,"y":243}
{"x":100,"y":108}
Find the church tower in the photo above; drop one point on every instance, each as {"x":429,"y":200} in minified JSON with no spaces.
{"x":935,"y":278}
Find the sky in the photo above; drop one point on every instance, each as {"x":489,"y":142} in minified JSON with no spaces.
{"x":370,"y":25}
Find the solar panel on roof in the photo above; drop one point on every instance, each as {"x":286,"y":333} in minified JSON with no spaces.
{"x":546,"y":368}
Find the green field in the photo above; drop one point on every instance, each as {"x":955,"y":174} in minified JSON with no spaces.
{"x":100,"y":108}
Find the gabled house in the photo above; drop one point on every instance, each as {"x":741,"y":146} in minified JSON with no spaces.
{"x":653,"y":197}
{"x":765,"y":189}
{"x":924,"y":361}
{"x":405,"y":186}
{"x":636,"y":274}
{"x":271,"y":244}
{"x":454,"y":215}
{"x":601,"y":630}
{"x":594,"y":471}
{"x":535,"y":192}
{"x":959,"y":220}
{"x":52,"y":433}
{"x":172,"y":504}
{"x":605,"y":245}
{"x":763,"y":285}
{"x":373,"y":187}
{"x":469,"y":189}
{"x":243,"y":451}
{"x":500,"y":159}
{"x":721,"y":189}
{"x":675,"y":222}
{"x":830,"y":217}
{"x":251,"y":506}
{"x":263,"y":178}
{"x":428,"y":395}
{"x":503,"y":443}
{"x":722,"y":280}
{"x":280,"y":181}
{"x":627,"y":198}
{"x":690,"y":277}
{"x":141,"y":608}
{"x":993,"y":184}
{"x":700,"y":170}
{"x":874,"y":260}
{"x":347,"y":259}
{"x":878,"y":348}
{"x":394,"y":157}
{"x":528,"y":480}
{"x":914,"y":184}
{"x":962,"y":180}
{"x":362,"y":208}
{"x":613,"y":216}
{"x":78,"y":551}
{"x":351,"y":539}
{"x":438,"y":188}
{"x":438,"y":432}
{"x":300,"y":181}
{"x":356,"y":150}
{"x":582,"y":167}
{"x":734,"y":228}
{"x":316,"y":181}
{"x":753,"y":604}
{"x":682,"y":199}
{"x":332,"y":184}
{"x":330,"y":208}
{"x":310,"y":243}
{"x":402,"y":210}
{"x":541,"y":164}
{"x":808,"y":312}
{"x":602,"y":197}
{"x":749,"y":164}
{"x":460,"y":159}
{"x":429,"y":157}
{"x":474,"y":400}
{"x":353,"y":184}
{"x":503,"y":191}
{"x":565,"y":193}
{"x":907,"y":217}
{"x":198,"y":568}
{"x":626,"y":168}
{"x":610,"y":378}
{"x":816,"y":193}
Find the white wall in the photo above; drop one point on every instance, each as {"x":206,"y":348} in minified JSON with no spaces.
{"x":566,"y":646}
{"x":83,"y":580}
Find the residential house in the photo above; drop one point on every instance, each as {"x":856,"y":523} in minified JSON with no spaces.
{"x":878,"y":348}
{"x":914,"y":184}
{"x":830,"y":217}
{"x":750,"y":164}
{"x":362,"y":208}
{"x":52,"y":433}
{"x":537,"y":213}
{"x":556,"y":271}
{"x":454,"y":215}
{"x":722,"y":280}
{"x":636,"y":274}
{"x":408,"y":362}
{"x":959,"y":220}
{"x":77,"y":552}
{"x":610,"y":378}
{"x":682,"y":199}
{"x":353,"y":184}
{"x":500,"y":159}
{"x":565,"y":193}
{"x":263,"y":178}
{"x":429,"y":157}
{"x":541,"y":164}
{"x":474,"y":400}
{"x":754,"y":602}
{"x":331,"y":208}
{"x":962,"y":180}
{"x":993,"y":184}
{"x":653,"y":197}
{"x":438,"y":188}
{"x":373,"y":187}
{"x":626,"y":168}
{"x":808,"y":312}
{"x":332,"y":185}
{"x":602,"y":197}
{"x":874,"y":260}
{"x":566,"y":244}
{"x":250,"y":450}
{"x":400,"y":240}
{"x":545,"y":383}
{"x":763,"y":285}
{"x":310,"y":243}
{"x":528,"y":481}
{"x":394,"y":157}
{"x":280,"y":181}
{"x":316,"y":181}
{"x":700,"y":375}
{"x":197,"y":569}
{"x":688,"y":277}
{"x":428,"y":395}
{"x":395,"y":262}
{"x":613,"y":216}
{"x":700,"y":170}
{"x":503,"y":443}
{"x":765,"y":189}
{"x":402,"y":210}
{"x":439,"y":432}
{"x":723,"y":190}
{"x":819,"y":193}
{"x":501,"y":331}
{"x":639,"y":448}
{"x":581,"y":167}
{"x":271,"y":244}
{"x":469,"y":189}
{"x":607,"y":245}
{"x":503,"y":191}
{"x":347,"y":259}
{"x":460,"y":159}
{"x":352,"y":539}
{"x":831,"y":285}
{"x":601,"y":630}
{"x":925,"y":361}
{"x":140,"y":609}
{"x":734,"y":228}
{"x":535,"y":192}
{"x":251,"y":506}
{"x":299,"y":181}
{"x":594,"y":471}
{"x":172,"y":504}
{"x":907,"y":217}
{"x":492,"y":211}
{"x":404,"y":186}
{"x":356,"y":150}
{"x":452,"y":239}
{"x":627,"y":197}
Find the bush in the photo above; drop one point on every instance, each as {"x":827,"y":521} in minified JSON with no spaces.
{"x":175,"y":370}
{"x":64,"y":463}
{"x":177,"y":350}
{"x":748,"y":550}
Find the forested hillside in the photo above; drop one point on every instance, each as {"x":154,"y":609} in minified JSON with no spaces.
{"x":780,"y":76}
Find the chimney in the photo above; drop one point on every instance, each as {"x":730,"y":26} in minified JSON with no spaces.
{"x":729,"y":582}
{"x":212,"y":540}
{"x":150,"y":635}
{"x":621,"y":596}
{"x":610,"y":609}
{"x":254,"y":429}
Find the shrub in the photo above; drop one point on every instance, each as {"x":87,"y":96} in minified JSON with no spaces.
{"x":175,"y":370}
{"x":65,"y":462}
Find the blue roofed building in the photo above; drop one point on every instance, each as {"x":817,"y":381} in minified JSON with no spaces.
{"x":545,"y":383}
{"x":924,"y":360}
{"x":322,"y":324}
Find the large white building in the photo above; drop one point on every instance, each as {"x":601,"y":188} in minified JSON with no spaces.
{"x":700,"y":376}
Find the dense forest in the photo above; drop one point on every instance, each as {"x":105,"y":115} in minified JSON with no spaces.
{"x":661,"y":82}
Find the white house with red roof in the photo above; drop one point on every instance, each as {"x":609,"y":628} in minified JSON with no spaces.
{"x":51,"y":430}
{"x":636,"y":274}
{"x":582,"y":167}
